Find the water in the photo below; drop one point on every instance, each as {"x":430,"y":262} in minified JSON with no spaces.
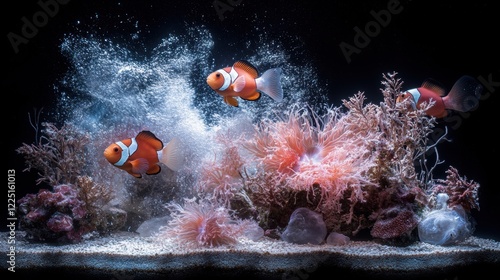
{"x":119,"y":73}
{"x":111,"y":93}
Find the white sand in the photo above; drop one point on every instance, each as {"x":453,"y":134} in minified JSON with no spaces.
{"x":132,"y":255}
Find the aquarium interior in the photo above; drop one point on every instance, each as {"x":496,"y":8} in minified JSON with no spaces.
{"x":338,"y":151}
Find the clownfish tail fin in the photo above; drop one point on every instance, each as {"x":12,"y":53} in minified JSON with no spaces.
{"x":172,"y":155}
{"x":270,"y":83}
{"x":464,"y":95}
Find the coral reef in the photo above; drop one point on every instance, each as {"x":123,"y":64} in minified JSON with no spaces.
{"x":367,"y":168}
{"x":68,"y":212}
{"x":76,"y":205}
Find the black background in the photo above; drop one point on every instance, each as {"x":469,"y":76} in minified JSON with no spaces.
{"x":438,"y":39}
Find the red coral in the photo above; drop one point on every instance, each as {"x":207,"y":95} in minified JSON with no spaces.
{"x":460,"y":191}
{"x":395,"y":222}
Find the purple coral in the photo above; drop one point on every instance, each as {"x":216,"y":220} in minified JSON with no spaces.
{"x":53,"y":215}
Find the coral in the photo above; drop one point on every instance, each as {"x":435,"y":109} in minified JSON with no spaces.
{"x":96,"y":196}
{"x":460,"y":191}
{"x":395,"y":223}
{"x":77,"y":204}
{"x":54,"y":216}
{"x":59,"y":155}
{"x":204,"y":224}
{"x":68,"y":212}
{"x":367,"y":168}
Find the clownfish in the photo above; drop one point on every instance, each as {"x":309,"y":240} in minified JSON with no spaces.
{"x":463,"y":96}
{"x":242,"y":80}
{"x":143,"y":153}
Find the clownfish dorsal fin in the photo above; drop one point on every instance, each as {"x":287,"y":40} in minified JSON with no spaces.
{"x":150,"y":138}
{"x":434,"y":86}
{"x":247,"y":67}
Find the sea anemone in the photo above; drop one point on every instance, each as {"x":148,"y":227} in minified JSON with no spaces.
{"x":204,"y":224}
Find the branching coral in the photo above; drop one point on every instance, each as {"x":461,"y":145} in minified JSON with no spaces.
{"x":460,"y":191}
{"x":59,"y":154}
{"x":204,"y":224}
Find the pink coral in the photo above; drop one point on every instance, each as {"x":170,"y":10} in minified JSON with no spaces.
{"x":203,"y":224}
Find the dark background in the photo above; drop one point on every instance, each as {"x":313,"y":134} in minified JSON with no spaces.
{"x":440,"y":39}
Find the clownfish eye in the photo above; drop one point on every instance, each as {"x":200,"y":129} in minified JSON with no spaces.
{"x":115,"y":149}
{"x":217,"y":75}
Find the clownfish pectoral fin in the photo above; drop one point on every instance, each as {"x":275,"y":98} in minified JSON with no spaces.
{"x":270,"y":84}
{"x":254,"y":97}
{"x":140,"y":165}
{"x":231,"y":101}
{"x":155,"y":169}
{"x":239,"y":84}
{"x":172,"y":155}
{"x":434,"y":86}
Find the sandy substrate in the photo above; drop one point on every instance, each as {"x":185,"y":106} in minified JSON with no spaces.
{"x":129,"y":256}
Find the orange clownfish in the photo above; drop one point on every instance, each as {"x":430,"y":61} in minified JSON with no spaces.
{"x":463,"y":96}
{"x":141,"y":154}
{"x":242,"y":80}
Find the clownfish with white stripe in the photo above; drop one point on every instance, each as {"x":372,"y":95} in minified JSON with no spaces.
{"x":242,"y":80}
{"x":463,"y":96}
{"x":143,"y":153}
